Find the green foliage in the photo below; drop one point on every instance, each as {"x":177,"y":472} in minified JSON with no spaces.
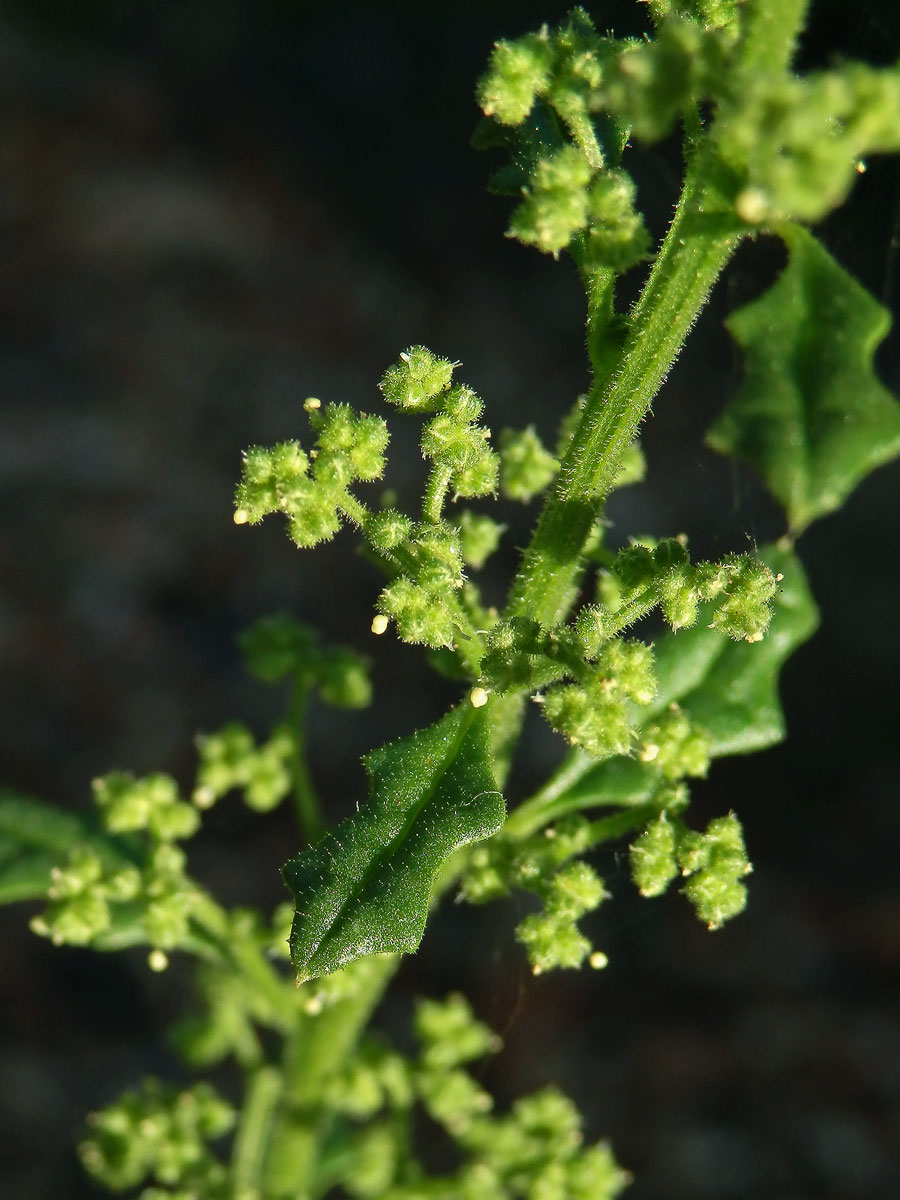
{"x":811,"y":416}
{"x":325,"y":1104}
{"x":365,"y":888}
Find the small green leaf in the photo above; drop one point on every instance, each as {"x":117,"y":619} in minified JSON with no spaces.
{"x":364,"y":888}
{"x":729,"y":688}
{"x":25,"y":876}
{"x":811,"y":416}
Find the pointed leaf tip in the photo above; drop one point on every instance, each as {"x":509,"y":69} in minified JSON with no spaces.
{"x":365,"y":887}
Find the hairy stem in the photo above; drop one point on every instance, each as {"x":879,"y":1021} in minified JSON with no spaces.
{"x":693,"y":254}
{"x":315,"y":1051}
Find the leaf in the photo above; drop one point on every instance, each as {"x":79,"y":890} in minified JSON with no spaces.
{"x":25,"y":876}
{"x":364,"y":888}
{"x":731,"y":688}
{"x":811,"y":416}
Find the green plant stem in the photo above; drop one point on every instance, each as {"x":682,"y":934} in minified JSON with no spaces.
{"x":693,"y":254}
{"x":240,"y":950}
{"x":309,"y":810}
{"x":264,"y":1087}
{"x":608,"y":828}
{"x":435,"y":491}
{"x":583,"y":782}
{"x":769,"y":33}
{"x":317,"y":1048}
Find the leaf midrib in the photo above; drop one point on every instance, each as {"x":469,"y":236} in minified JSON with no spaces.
{"x":375,"y":863}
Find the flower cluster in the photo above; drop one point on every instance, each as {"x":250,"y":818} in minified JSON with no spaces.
{"x":162,"y":1134}
{"x":313,"y":490}
{"x":535,"y":1150}
{"x":547,"y":866}
{"x":648,"y":574}
{"x":279,"y":647}
{"x":595,"y":712}
{"x":526,"y":467}
{"x":714,"y":864}
{"x":111,"y":894}
{"x":230,"y":759}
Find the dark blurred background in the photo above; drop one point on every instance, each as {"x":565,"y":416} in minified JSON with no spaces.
{"x":211,"y":209}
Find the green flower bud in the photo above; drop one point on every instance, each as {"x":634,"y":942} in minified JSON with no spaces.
{"x":388,"y":529}
{"x":417,"y":381}
{"x":486,"y":877}
{"x":128,"y":804}
{"x":676,"y":746}
{"x":331,"y":476}
{"x":343,"y":679}
{"x":167,"y":862}
{"x":716,"y":898}
{"x":746,"y":612}
{"x":438,"y":555}
{"x":550,"y":943}
{"x":671,"y":554}
{"x":357,"y":1091}
{"x":650,"y":83}
{"x":450,"y":443}
{"x":229,"y":759}
{"x":373,"y":1165}
{"x":267,"y":476}
{"x":79,"y":874}
{"x":518,"y":655}
{"x":277,"y":646}
{"x":336,"y":427}
{"x":422,"y":615}
{"x":791,"y":145}
{"x":575,"y":890}
{"x":453,"y":1099}
{"x":630,"y":667}
{"x":268,"y":777}
{"x":167,"y":920}
{"x":594,"y":1174}
{"x":550,"y":1116}
{"x":518,"y":71}
{"x":312,"y":514}
{"x":589,"y":718}
{"x":618,"y":238}
{"x":526,"y":467}
{"x":449,"y":1033}
{"x":635,"y":567}
{"x":356,"y":440}
{"x":594,"y":626}
{"x":652,"y":857}
{"x":716,"y":862}
{"x":462,"y":405}
{"x":75,"y":921}
{"x":171,"y":821}
{"x":479,"y":537}
{"x":478,"y":477}
{"x":124,"y":885}
{"x":556,"y":205}
{"x":678,"y":600}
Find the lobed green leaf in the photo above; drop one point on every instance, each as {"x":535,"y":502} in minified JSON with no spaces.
{"x":811,"y":416}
